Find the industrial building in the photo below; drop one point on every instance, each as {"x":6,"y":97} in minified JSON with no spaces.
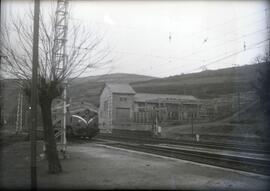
{"x":121,"y":108}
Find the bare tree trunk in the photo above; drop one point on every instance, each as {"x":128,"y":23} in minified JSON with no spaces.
{"x":49,"y":138}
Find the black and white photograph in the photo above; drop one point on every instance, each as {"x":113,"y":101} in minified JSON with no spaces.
{"x":135,"y":95}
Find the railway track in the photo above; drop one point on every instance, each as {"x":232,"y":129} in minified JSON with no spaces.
{"x":261,"y":149}
{"x":177,"y":149}
{"x":248,"y":164}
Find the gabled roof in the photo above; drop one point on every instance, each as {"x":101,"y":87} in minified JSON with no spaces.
{"x":75,"y":106}
{"x":142,"y":97}
{"x":82,"y":105}
{"x":120,"y":88}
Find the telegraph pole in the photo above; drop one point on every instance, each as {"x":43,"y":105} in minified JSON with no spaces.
{"x":0,"y":66}
{"x":236,"y":73}
{"x":34,"y":96}
{"x":19,"y":114}
{"x":192,"y":125}
{"x":238,"y":98}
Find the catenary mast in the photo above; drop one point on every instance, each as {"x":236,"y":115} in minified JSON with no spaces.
{"x":59,"y":57}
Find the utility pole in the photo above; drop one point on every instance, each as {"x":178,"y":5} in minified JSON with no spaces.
{"x":267,"y":14}
{"x":238,"y":96}
{"x":34,"y":96}
{"x":236,"y":73}
{"x":1,"y":107}
{"x":19,"y":113}
{"x":192,"y":125}
{"x":63,"y":136}
{"x":0,"y":68}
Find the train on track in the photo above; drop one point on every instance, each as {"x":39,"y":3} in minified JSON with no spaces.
{"x":81,"y":121}
{"x":79,"y":127}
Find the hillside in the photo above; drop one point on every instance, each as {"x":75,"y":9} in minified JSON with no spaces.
{"x":115,"y":77}
{"x":89,"y":88}
{"x":207,"y":84}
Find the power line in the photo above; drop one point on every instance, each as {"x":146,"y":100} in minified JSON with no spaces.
{"x":224,"y":57}
{"x":223,"y":23}
{"x":182,"y":57}
{"x":219,"y":45}
{"x":211,"y":28}
{"x":132,"y":53}
{"x":230,"y":55}
{"x":237,"y":28}
{"x":197,"y":32}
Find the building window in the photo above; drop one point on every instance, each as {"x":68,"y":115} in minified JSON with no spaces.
{"x":124,"y":99}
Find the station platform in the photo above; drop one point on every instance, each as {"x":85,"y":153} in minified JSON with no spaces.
{"x":96,"y":166}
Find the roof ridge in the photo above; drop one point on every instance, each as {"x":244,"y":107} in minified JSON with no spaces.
{"x":165,"y":94}
{"x":121,"y":88}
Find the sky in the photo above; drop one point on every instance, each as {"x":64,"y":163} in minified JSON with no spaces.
{"x":165,"y":38}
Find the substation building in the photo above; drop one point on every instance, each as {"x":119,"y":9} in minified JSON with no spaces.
{"x":121,"y":109}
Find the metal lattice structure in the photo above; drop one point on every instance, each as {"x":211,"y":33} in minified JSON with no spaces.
{"x":59,"y":57}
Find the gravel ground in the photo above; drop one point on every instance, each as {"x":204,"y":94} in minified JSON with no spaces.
{"x":93,"y":166}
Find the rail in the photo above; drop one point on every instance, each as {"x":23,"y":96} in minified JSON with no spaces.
{"x":262,"y":149}
{"x":248,"y":164}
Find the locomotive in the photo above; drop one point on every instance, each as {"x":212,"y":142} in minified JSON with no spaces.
{"x":81,"y":121}
{"x":79,"y":127}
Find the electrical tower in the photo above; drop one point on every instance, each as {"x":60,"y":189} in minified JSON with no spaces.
{"x":59,"y":57}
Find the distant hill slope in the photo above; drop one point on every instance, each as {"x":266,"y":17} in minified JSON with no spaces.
{"x":89,"y":88}
{"x":86,"y":88}
{"x":115,"y":77}
{"x":206,"y":84}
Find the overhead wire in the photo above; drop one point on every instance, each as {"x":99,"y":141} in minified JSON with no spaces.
{"x":197,"y":32}
{"x":211,"y":47}
{"x":232,"y":54}
{"x":215,"y":59}
{"x":226,"y":22}
{"x":188,"y":55}
{"x":209,"y":29}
